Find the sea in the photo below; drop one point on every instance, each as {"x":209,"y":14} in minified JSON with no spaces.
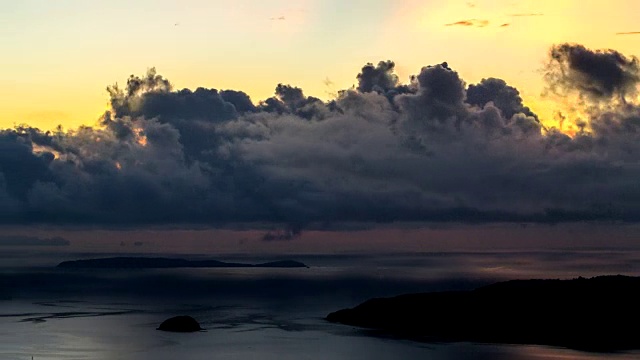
{"x":48,"y":313}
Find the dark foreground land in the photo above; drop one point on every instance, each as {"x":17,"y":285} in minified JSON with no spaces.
{"x":597,"y":314}
{"x":167,"y":263}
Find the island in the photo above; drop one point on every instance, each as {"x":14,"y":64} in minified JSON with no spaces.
{"x":596,"y":314}
{"x":167,"y":263}
{"x":183,"y":324}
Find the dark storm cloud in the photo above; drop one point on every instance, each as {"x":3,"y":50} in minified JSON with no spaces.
{"x":101,"y":177}
{"x":383,"y":80}
{"x":206,"y":105}
{"x":192,"y":113}
{"x":434,"y":149}
{"x":241,"y":101}
{"x":597,"y":75}
{"x":19,"y":166}
{"x":504,"y":97}
{"x":440,"y":96}
{"x":291,"y":100}
{"x":32,"y":241}
{"x":380,"y":78}
{"x":470,"y":23}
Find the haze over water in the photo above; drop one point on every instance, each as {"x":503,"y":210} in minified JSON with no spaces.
{"x":52,"y":313}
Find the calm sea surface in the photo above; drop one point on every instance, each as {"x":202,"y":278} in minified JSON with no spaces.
{"x":47,"y":313}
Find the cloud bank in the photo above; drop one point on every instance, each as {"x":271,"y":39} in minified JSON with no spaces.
{"x":32,"y":241}
{"x":434,"y":149}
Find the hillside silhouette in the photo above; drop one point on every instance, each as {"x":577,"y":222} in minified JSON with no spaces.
{"x":596,"y":314}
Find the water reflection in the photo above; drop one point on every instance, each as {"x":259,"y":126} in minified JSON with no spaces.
{"x":266,"y":313}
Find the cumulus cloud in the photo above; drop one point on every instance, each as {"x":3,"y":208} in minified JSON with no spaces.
{"x":382,"y":80}
{"x":433,"y":149}
{"x":596,"y":75}
{"x":379,"y":78}
{"x":504,"y":97}
{"x":291,"y":100}
{"x":440,"y":96}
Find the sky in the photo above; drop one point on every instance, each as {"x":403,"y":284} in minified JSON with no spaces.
{"x":282,"y":120}
{"x":58,"y":56}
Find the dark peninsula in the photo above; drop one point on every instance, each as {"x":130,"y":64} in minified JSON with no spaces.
{"x":596,"y":314}
{"x":167,"y":263}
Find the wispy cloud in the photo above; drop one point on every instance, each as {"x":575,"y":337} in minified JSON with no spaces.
{"x":17,"y":240}
{"x":505,"y":25}
{"x":283,"y":235}
{"x":526,"y":14}
{"x":470,"y":22}
{"x":628,"y":33}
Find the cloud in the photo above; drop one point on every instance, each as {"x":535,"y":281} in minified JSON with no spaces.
{"x":291,"y":100}
{"x":382,"y":80}
{"x":289,"y":233}
{"x":504,"y":97}
{"x":470,"y":22}
{"x":526,"y":14}
{"x":32,"y":241}
{"x":440,"y":96}
{"x":628,"y":33}
{"x":435,"y":149}
{"x":377,"y":78}
{"x":599,"y":75}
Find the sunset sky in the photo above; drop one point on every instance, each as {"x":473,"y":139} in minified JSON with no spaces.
{"x":58,"y":56}
{"x":280,"y":119}
{"x":385,"y":146}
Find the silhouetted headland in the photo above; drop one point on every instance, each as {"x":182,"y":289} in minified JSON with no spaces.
{"x":165,"y":263}
{"x":596,"y":314}
{"x":180,"y":324}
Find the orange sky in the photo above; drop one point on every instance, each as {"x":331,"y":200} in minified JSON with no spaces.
{"x":58,"y":57}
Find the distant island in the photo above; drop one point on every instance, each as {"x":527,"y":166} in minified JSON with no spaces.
{"x":167,"y":263}
{"x":597,"y":314}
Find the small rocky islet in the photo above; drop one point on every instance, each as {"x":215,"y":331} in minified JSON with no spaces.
{"x":182,"y":324}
